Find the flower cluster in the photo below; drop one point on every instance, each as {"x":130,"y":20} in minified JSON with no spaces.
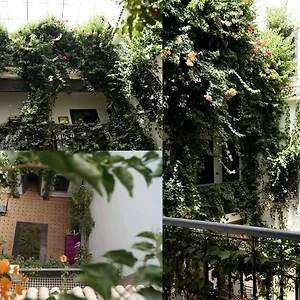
{"x":6,"y":281}
{"x":260,"y":43}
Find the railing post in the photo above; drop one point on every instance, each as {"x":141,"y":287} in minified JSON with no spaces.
{"x":254,"y":270}
{"x":241,"y":284}
{"x":229,"y":275}
{"x":281,"y":283}
{"x":268,"y":285}
{"x":297,"y":285}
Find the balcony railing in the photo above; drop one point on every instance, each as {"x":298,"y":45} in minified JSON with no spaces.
{"x":292,"y":91}
{"x":51,"y":278}
{"x":226,"y":261}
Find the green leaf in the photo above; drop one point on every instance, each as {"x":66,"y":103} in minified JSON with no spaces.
{"x":101,"y":277}
{"x":73,"y":166}
{"x":158,"y":171}
{"x":65,"y":297}
{"x":149,"y":274}
{"x":121,"y":257}
{"x":125,"y":177}
{"x":136,"y":163}
{"x":225,"y":254}
{"x":150,"y":293}
{"x":147,"y":234}
{"x":150,"y":156}
{"x":143,"y":246}
{"x":108,"y":183}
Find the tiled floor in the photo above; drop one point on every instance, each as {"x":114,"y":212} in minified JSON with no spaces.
{"x":31,"y":207}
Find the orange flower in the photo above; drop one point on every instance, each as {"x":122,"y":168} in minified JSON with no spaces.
{"x":19,"y":288}
{"x":231,"y":93}
{"x":192,"y":56}
{"x":63,"y":259}
{"x":187,"y":216}
{"x":167,"y":52}
{"x":179,"y":40}
{"x":189,"y":63}
{"x":5,"y":283}
{"x":15,"y":270}
{"x":4,"y":266}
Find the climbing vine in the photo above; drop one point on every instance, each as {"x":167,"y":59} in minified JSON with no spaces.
{"x":81,"y":214}
{"x":43,"y":55}
{"x":223,"y":82}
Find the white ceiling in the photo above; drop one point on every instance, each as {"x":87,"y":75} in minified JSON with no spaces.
{"x":15,"y":13}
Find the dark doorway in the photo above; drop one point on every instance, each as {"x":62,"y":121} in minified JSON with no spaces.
{"x":31,"y":182}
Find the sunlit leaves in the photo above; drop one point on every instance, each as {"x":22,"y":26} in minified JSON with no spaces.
{"x":100,"y":170}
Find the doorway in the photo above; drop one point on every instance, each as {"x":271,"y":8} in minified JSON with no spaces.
{"x":31,"y":182}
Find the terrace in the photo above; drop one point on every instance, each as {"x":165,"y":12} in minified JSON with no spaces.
{"x":53,"y":214}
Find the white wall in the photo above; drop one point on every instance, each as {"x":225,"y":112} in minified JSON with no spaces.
{"x":118,"y":222}
{"x":86,"y":100}
{"x":11,"y":104}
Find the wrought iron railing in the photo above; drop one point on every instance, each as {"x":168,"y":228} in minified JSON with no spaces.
{"x":226,"y":261}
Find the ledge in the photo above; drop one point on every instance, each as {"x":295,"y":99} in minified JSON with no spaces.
{"x":19,"y":85}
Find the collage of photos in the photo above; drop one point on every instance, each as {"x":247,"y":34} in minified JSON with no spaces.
{"x":149,"y":150}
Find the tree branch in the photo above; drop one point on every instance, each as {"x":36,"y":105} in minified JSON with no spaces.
{"x":24,"y":166}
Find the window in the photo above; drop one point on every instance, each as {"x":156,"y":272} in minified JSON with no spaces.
{"x":61,"y":184}
{"x":232,"y":163}
{"x":86,"y":115}
{"x":207,"y":174}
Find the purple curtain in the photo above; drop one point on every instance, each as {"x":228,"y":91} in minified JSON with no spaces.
{"x":72,"y":243}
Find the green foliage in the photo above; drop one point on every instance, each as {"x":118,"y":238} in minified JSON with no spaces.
{"x":100,"y":170}
{"x":2,"y":241}
{"x":43,"y":54}
{"x":4,"y":42}
{"x":81,"y":214}
{"x":49,"y":179}
{"x":141,"y":15}
{"x":82,"y":256}
{"x":278,"y":18}
{"x":102,"y":276}
{"x":223,"y":81}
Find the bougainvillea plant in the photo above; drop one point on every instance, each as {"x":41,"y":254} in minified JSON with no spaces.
{"x":43,"y":54}
{"x":223,"y":81}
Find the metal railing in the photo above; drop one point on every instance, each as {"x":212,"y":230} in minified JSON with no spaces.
{"x":227,"y":261}
{"x":51,"y":277}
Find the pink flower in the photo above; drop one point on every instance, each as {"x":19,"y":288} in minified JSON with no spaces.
{"x":66,"y":21}
{"x":260,"y":43}
{"x":249,"y":29}
{"x":64,"y":57}
{"x":26,"y":49}
{"x":268,"y":53}
{"x":208,"y":98}
{"x":255,"y":50}
{"x":219,"y":20}
{"x":60,"y":26}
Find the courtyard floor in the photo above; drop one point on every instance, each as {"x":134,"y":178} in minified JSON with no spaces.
{"x":31,"y":208}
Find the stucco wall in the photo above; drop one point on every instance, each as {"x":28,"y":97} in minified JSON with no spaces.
{"x":11,"y":103}
{"x":65,"y":102}
{"x":118,"y":222}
